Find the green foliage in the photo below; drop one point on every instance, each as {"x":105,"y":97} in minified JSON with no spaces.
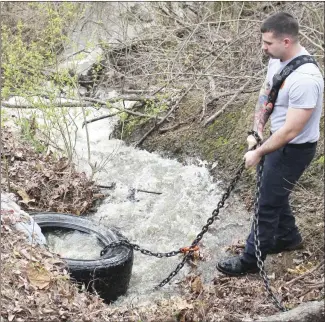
{"x":27,"y":126}
{"x":30,"y":68}
{"x":24,"y":61}
{"x":152,"y":108}
{"x":123,"y":116}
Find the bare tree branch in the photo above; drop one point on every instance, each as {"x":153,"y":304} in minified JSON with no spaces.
{"x":215,"y":115}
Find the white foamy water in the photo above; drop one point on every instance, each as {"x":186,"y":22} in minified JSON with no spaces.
{"x":159,"y":222}
{"x":71,"y":244}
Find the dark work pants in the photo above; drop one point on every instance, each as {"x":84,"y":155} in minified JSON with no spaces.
{"x":282,"y":169}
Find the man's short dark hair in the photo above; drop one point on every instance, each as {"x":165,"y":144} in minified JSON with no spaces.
{"x":281,"y":24}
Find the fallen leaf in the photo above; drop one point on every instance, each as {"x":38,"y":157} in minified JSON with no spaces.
{"x":17,"y":254}
{"x":61,"y":164}
{"x":24,"y":195}
{"x":181,"y":304}
{"x":300,"y":269}
{"x":6,"y":228}
{"x":297,"y":261}
{"x":196,"y":285}
{"x":47,"y":173}
{"x":10,"y":317}
{"x":309,"y":296}
{"x":19,"y":156}
{"x":98,"y":195}
{"x":26,"y":200}
{"x":181,"y":317}
{"x":27,"y":255}
{"x":48,"y":311}
{"x":38,"y":276}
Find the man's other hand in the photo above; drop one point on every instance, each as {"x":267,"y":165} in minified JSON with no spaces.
{"x":252,"y":158}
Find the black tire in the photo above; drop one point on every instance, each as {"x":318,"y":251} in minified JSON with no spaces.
{"x":108,"y":275}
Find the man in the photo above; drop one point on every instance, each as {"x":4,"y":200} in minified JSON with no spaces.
{"x":290,"y":148}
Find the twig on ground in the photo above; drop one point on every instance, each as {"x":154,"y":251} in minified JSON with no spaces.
{"x":305,"y":274}
{"x":204,"y":106}
{"x":310,"y":288}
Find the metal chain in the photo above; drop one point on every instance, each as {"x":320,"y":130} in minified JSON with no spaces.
{"x":214,"y":216}
{"x":257,"y":244}
{"x":138,"y":248}
{"x":174,"y":272}
{"x":205,"y":228}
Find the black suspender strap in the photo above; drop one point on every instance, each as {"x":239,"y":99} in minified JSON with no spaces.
{"x":278,"y":79}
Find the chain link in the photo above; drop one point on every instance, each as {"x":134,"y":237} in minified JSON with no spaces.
{"x":257,"y":244}
{"x":220,"y":205}
{"x":138,"y":248}
{"x":210,"y":221}
{"x":205,"y":228}
{"x":175,"y":271}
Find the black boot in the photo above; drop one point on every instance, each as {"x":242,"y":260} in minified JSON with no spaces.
{"x":236,"y":266}
{"x":283,"y":245}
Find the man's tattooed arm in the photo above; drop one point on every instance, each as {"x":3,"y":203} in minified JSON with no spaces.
{"x":262,"y":111}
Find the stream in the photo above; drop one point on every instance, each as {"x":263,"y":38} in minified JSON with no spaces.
{"x":159,"y":222}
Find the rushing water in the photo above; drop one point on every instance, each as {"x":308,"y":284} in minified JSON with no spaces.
{"x":66,"y":243}
{"x":159,"y":222}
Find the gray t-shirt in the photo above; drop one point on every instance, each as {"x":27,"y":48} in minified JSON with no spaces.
{"x":303,"y":88}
